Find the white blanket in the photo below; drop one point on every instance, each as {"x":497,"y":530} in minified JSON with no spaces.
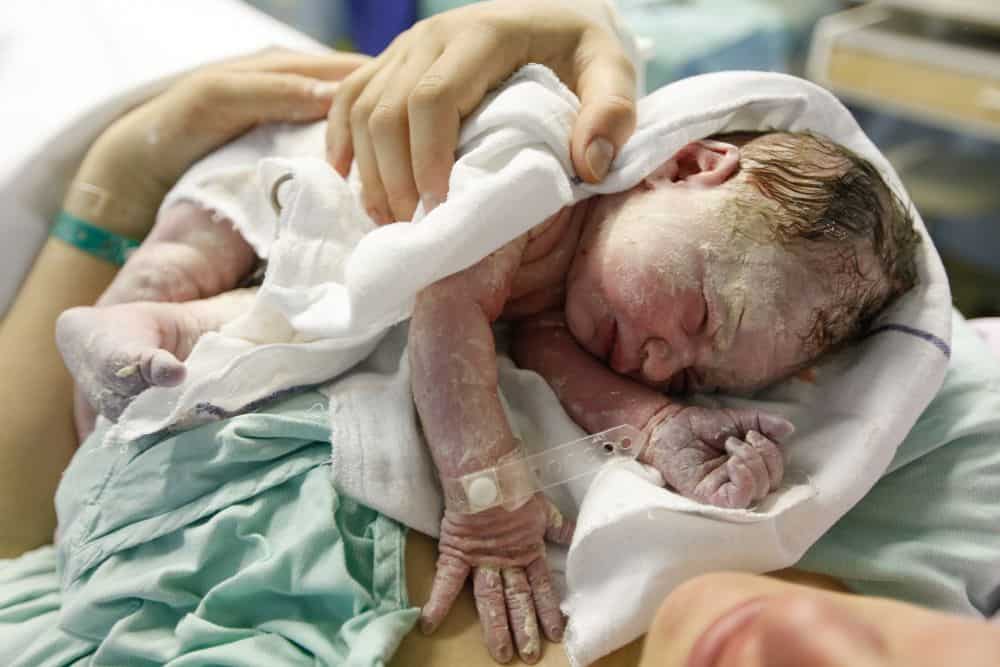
{"x":338,"y":292}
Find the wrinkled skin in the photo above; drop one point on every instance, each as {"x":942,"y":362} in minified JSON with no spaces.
{"x":116,"y":352}
{"x":726,"y":458}
{"x":188,"y":255}
{"x":618,"y":299}
{"x":512,"y":583}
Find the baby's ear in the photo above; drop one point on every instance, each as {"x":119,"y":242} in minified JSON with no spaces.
{"x":703,"y":163}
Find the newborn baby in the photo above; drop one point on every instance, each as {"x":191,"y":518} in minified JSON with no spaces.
{"x":737,"y":263}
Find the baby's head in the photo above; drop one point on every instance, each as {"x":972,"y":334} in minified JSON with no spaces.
{"x":739,"y":261}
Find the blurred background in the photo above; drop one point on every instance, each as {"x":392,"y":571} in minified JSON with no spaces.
{"x":922,"y":76}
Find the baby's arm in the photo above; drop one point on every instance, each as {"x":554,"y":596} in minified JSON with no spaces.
{"x":454,"y":379}
{"x":723,"y":457}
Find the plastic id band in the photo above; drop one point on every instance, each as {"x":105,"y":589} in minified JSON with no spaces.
{"x":516,"y":480}
{"x":93,"y":240}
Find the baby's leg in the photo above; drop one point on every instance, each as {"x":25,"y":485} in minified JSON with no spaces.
{"x":116,"y":352}
{"x":724,"y":457}
{"x":189,"y":254}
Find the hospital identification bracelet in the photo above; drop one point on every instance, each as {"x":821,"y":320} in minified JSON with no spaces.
{"x":92,"y":239}
{"x":512,"y":482}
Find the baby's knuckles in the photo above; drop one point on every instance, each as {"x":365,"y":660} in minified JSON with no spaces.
{"x":496,"y":537}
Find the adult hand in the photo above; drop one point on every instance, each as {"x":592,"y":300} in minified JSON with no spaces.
{"x":398,"y":116}
{"x":141,"y":155}
{"x":505,"y":554}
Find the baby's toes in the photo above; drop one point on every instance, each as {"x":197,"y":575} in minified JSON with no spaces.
{"x":162,"y":369}
{"x":131,"y":372}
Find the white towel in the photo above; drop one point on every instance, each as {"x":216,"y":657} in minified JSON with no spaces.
{"x":337,"y":292}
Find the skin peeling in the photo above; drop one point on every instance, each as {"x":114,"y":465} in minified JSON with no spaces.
{"x":617,"y":299}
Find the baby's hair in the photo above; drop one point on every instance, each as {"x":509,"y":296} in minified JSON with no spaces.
{"x":835,"y":202}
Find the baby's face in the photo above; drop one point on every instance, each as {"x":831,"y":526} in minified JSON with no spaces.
{"x":665,"y":289}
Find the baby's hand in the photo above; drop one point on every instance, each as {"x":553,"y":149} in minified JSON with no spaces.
{"x":724,"y":457}
{"x":505,"y":553}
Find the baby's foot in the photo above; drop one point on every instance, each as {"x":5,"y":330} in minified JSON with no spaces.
{"x":727,"y":458}
{"x":116,"y":352}
{"x":189,"y":254}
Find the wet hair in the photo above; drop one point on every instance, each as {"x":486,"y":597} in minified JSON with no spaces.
{"x":835,"y":206}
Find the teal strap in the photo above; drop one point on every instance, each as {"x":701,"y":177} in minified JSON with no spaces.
{"x":93,"y":240}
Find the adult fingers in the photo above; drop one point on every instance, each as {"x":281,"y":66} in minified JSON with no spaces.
{"x":389,"y":127}
{"x":339,"y":149}
{"x":606,"y":87}
{"x":449,"y":577}
{"x":491,"y":604}
{"x":546,"y":599}
{"x":451,"y":88}
{"x":211,"y":108}
{"x":325,"y":66}
{"x":373,"y":192}
{"x":521,"y":611}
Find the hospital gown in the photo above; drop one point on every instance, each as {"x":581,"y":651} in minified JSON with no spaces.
{"x":222,"y":545}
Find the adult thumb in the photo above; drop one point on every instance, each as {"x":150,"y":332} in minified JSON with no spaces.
{"x":606,"y":86}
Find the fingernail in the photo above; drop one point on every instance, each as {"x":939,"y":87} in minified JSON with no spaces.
{"x":427,"y":626}
{"x":325,"y":88}
{"x":599,"y":155}
{"x":504,"y":654}
{"x":429,"y":201}
{"x":378,"y":216}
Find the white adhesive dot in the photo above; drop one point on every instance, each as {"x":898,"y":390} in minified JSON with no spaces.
{"x":482,"y":492}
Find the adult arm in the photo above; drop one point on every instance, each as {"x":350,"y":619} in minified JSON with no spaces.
{"x":399,"y":115}
{"x":38,"y":436}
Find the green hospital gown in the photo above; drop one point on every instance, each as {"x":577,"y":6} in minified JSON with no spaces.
{"x":222,"y":545}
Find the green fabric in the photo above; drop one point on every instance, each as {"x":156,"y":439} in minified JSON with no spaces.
{"x":222,"y":545}
{"x":929,"y":532}
{"x":93,"y":240}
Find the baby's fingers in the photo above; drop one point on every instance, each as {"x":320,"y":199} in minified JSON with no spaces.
{"x":774,"y":427}
{"x":559,"y":529}
{"x":521,"y":611}
{"x":546,"y":599}
{"x":751,"y":458}
{"x":492,"y":607}
{"x":771,"y":455}
{"x":448,"y":580}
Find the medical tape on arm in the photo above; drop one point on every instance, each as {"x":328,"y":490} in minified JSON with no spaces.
{"x":520,"y":476}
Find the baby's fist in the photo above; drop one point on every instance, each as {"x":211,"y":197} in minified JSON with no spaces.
{"x":724,"y":457}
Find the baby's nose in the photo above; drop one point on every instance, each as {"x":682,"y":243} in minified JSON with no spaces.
{"x":657,"y":362}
